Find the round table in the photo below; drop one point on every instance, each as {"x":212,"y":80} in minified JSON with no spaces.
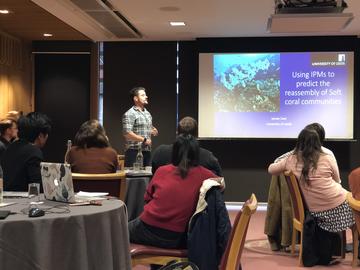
{"x":83,"y":237}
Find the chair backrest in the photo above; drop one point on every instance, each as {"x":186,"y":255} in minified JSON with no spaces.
{"x":114,"y":183}
{"x":296,"y":196}
{"x":355,"y":206}
{"x":354,"y":197}
{"x":235,"y":245}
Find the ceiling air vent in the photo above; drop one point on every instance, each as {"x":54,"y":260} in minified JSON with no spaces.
{"x":108,"y":18}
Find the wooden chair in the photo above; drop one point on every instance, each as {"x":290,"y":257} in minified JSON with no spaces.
{"x":355,"y":206}
{"x":298,"y":211}
{"x":298,"y":206}
{"x":114,"y":183}
{"x":235,"y":246}
{"x":141,"y":254}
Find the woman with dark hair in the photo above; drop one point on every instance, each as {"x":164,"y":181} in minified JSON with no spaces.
{"x":319,"y":180}
{"x":91,"y":152}
{"x":171,"y":198}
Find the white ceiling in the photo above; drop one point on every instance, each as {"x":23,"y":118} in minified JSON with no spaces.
{"x":203,"y":18}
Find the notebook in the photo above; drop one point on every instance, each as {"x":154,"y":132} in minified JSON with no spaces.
{"x":57,"y":182}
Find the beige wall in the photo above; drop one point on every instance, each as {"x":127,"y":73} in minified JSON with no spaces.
{"x":15,"y":75}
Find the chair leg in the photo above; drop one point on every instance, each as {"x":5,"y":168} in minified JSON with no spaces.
{"x":301,"y":250}
{"x":293,"y":241}
{"x":355,"y":235}
{"x":343,"y":244}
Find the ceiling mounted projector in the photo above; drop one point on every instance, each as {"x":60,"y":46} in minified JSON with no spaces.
{"x":304,"y":16}
{"x":309,"y":6}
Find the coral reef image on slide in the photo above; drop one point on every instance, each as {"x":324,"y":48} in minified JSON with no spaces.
{"x":247,"y":82}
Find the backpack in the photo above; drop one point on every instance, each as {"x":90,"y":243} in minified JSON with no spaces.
{"x":175,"y":265}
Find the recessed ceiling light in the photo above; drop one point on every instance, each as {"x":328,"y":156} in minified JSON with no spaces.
{"x":4,"y":11}
{"x":47,"y":35}
{"x":177,"y":23}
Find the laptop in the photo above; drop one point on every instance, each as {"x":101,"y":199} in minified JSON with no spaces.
{"x":57,"y":182}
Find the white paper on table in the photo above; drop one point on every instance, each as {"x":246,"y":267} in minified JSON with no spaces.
{"x":15,"y":194}
{"x":91,"y":194}
{"x":6,"y":204}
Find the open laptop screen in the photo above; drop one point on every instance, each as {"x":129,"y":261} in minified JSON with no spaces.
{"x":57,"y":182}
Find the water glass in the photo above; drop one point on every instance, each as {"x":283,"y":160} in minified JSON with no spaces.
{"x":34,"y":191}
{"x":137,"y":166}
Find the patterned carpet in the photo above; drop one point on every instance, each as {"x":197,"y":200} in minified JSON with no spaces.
{"x":262,"y":246}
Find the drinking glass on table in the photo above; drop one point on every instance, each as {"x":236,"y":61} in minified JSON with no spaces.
{"x":34,"y":192}
{"x":137,"y":166}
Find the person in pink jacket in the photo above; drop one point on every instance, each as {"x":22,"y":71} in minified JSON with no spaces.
{"x":319,"y":180}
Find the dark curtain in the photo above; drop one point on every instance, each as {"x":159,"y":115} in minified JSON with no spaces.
{"x":62,"y":91}
{"x":148,"y":64}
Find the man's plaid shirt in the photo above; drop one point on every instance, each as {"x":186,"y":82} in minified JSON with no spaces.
{"x":139,"y":122}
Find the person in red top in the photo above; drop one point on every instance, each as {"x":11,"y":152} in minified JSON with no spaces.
{"x":171,"y":198}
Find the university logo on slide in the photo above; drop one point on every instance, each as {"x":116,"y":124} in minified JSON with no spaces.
{"x":341,"y":57}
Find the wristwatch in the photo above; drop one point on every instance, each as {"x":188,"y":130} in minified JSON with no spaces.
{"x":144,"y":141}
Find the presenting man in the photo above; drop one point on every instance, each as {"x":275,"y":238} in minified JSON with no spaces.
{"x":138,"y":128}
{"x":187,"y":125}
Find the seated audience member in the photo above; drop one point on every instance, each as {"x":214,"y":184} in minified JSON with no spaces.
{"x":91,"y":152}
{"x":21,"y":160}
{"x":319,"y":180}
{"x":13,"y":115}
{"x":162,"y":154}
{"x":8,"y":132}
{"x":321,"y":133}
{"x":171,"y":198}
{"x":281,"y":238}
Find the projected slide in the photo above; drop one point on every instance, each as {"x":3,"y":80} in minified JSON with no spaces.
{"x":274,"y":95}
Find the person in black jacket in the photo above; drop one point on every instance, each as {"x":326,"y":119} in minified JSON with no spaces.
{"x":21,"y":160}
{"x":8,"y":132}
{"x":162,"y":154}
{"x":209,"y":230}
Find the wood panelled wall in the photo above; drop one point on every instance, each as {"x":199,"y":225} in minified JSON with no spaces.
{"x":15,"y":75}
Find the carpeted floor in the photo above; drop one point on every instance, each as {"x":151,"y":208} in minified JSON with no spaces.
{"x":262,"y":246}
{"x":258,"y":256}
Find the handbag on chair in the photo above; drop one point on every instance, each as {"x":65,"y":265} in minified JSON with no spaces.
{"x":175,"y":265}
